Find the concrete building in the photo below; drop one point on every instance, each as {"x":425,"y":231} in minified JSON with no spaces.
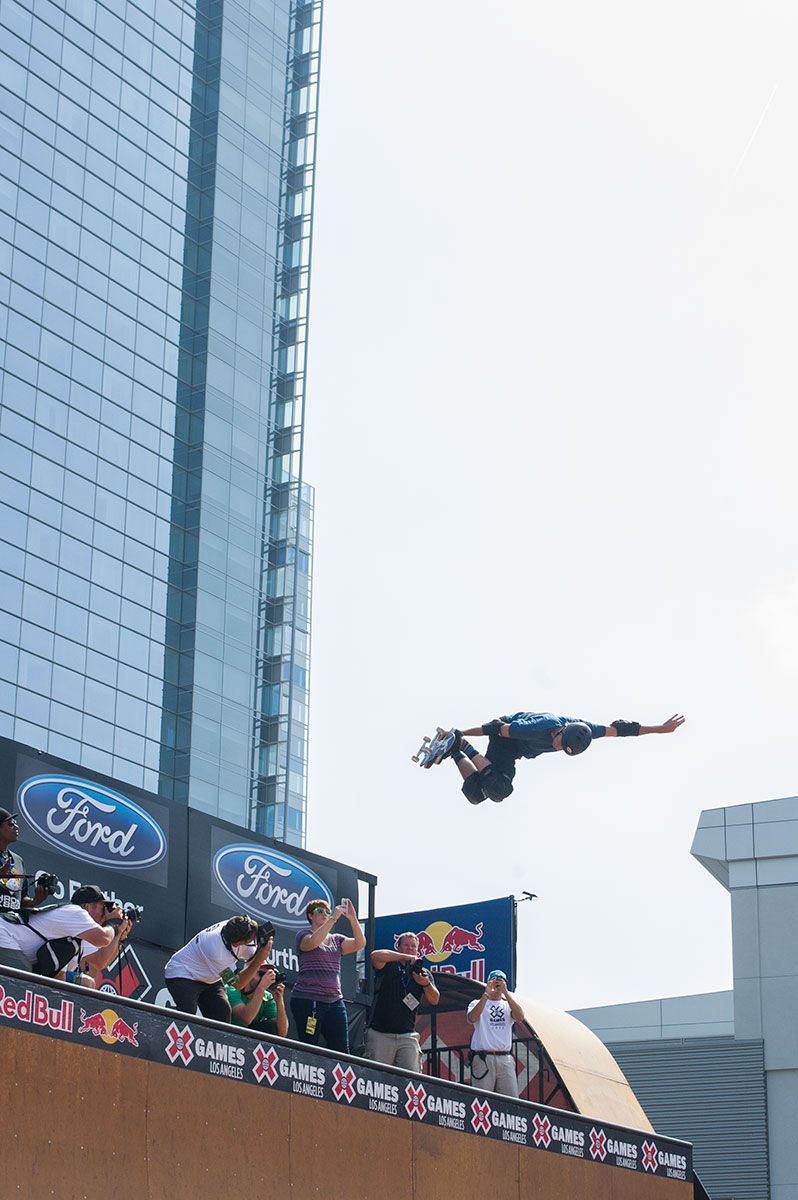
{"x":721,"y":1069}
{"x":156,"y":187}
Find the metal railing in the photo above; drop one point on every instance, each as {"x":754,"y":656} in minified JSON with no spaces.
{"x":537,"y":1079}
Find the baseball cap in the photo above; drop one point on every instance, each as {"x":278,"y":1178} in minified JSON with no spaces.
{"x":89,"y":894}
{"x":497,"y":975}
{"x":5,"y":815}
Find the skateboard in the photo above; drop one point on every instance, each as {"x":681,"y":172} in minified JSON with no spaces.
{"x":434,"y":750}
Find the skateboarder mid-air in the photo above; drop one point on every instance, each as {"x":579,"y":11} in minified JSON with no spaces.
{"x":489,"y":776}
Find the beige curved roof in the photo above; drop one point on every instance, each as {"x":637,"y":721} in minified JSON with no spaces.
{"x":597,"y":1084}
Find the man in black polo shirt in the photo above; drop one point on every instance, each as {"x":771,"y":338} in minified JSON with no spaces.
{"x":403,"y":983}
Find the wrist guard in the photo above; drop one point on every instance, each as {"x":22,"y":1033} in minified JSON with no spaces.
{"x":491,"y":727}
{"x":626,"y":728}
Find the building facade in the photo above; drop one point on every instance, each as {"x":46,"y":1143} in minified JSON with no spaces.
{"x":156,"y":188}
{"x":722,"y":1068}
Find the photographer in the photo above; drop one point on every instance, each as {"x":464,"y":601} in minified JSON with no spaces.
{"x":261,"y":1004}
{"x":13,"y":880}
{"x":228,"y":952}
{"x":403,"y":983}
{"x":45,"y":941}
{"x":86,"y":966}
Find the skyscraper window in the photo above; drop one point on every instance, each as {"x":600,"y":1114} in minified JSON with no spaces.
{"x":156,"y":186}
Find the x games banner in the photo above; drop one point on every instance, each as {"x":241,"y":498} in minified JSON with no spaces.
{"x":276,"y":1065}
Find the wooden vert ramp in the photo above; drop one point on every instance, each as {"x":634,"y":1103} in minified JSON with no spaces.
{"x":595,"y":1082}
{"x":107,"y":1127}
{"x":111,"y":1099}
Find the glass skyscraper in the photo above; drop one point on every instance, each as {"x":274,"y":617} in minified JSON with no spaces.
{"x":156,"y":186}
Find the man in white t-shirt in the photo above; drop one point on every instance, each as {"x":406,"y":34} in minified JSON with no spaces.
{"x":83,"y":920}
{"x":196,"y":975}
{"x":493,"y":1015}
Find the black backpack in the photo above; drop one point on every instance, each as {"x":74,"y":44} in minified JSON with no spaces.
{"x":54,"y":953}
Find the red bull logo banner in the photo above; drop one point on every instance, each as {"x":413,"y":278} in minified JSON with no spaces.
{"x":109,"y":1026}
{"x":463,"y":939}
{"x":131,"y":1028}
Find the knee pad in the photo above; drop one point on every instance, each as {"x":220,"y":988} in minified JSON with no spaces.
{"x":472,"y":788}
{"x":494,"y":785}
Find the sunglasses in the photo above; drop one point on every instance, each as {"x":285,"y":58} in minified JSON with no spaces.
{"x":326,"y":911}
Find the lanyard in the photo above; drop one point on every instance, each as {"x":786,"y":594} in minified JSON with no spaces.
{"x":406,"y":978}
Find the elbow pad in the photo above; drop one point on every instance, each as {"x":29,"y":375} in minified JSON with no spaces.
{"x":626,"y":728}
{"x":491,"y":727}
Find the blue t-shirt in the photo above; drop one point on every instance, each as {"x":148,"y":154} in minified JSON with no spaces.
{"x":531,"y":732}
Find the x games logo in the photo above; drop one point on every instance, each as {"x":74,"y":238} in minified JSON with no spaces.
{"x":266,"y":1059}
{"x":598,"y":1143}
{"x":178,"y":1045}
{"x":481,"y":1119}
{"x":541,"y":1127}
{"x":344,"y":1085}
{"x":416,"y":1105}
{"x":649,"y":1156}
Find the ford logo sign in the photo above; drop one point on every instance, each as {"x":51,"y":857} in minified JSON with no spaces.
{"x":91,"y":822}
{"x":269,"y":884}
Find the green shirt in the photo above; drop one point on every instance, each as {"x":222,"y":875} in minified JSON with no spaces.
{"x":266,"y":1012}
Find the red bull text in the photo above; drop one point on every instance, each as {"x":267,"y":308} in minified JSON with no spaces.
{"x":35,"y":1009}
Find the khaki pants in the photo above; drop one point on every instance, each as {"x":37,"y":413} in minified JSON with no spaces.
{"x":499,"y":1074}
{"x":394,"y":1049}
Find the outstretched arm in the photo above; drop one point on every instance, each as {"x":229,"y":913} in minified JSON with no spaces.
{"x":632,"y":729}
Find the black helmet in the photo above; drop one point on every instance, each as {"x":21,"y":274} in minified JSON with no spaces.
{"x":576,"y":737}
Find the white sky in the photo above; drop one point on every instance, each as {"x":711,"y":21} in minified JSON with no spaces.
{"x":551,"y":426}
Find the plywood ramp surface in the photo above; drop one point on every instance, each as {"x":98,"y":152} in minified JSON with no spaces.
{"x":597,"y":1085}
{"x":84,"y":1125}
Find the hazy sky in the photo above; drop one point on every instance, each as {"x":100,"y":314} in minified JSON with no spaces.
{"x":551,"y":426}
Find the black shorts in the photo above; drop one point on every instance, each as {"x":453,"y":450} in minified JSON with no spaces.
{"x":489,"y":784}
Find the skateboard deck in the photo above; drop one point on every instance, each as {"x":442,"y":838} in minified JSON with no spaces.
{"x":432,"y":750}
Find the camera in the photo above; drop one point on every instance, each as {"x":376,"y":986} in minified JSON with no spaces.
{"x":48,"y":881}
{"x":279,"y":977}
{"x":265,"y":933}
{"x":418,"y":965}
{"x":134,"y":912}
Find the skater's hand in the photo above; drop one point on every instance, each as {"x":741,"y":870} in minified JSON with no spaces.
{"x":672,"y":723}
